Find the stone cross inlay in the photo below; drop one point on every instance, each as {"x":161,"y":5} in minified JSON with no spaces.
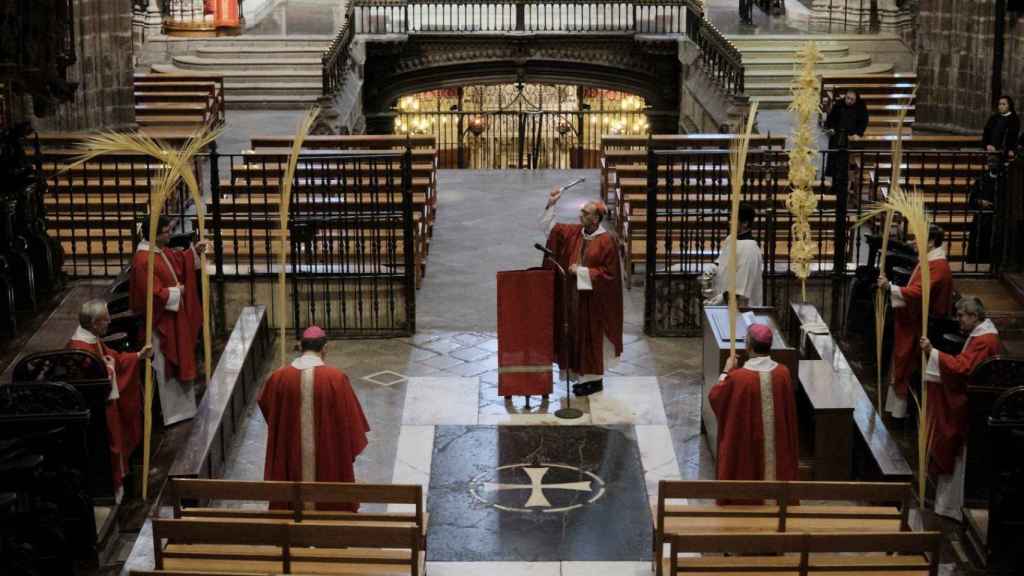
{"x":537,"y":487}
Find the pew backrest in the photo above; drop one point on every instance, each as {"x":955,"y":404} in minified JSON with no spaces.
{"x":905,"y":553}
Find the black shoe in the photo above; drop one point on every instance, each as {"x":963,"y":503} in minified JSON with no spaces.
{"x":588,"y":388}
{"x":578,"y":388}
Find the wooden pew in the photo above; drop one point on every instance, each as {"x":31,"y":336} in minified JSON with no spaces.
{"x":242,"y":547}
{"x":852,"y":508}
{"x":167,"y":102}
{"x":835,"y":554}
{"x":193,"y":498}
{"x":626,"y":150}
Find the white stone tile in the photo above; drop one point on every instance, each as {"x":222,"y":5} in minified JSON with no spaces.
{"x":492,"y":418}
{"x":441,"y":400}
{"x":657,"y":453}
{"x":493,"y":568}
{"x":412,"y":461}
{"x":628,"y":400}
{"x":606,"y":569}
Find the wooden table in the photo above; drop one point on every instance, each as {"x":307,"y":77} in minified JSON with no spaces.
{"x":825,"y":407}
{"x":716,"y":350}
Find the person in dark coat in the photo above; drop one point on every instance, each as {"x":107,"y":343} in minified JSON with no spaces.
{"x":983,"y":203}
{"x":1002,"y":129}
{"x":848,"y":117}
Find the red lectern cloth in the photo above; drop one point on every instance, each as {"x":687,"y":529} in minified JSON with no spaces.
{"x":526,"y":305}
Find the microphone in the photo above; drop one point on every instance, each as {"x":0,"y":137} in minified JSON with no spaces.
{"x":547,"y":252}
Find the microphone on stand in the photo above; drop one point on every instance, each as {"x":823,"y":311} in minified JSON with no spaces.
{"x":543,"y":249}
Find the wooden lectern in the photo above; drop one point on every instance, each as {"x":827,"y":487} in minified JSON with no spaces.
{"x":716,"y":350}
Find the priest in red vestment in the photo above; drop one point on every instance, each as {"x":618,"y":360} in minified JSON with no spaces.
{"x":948,"y":417}
{"x":177,"y":318}
{"x":124,"y":405}
{"x":315,"y":424}
{"x":591,"y":255}
{"x":756,"y":410}
{"x":906,"y":304}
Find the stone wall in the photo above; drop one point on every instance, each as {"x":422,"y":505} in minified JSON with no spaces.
{"x":103,"y":47}
{"x":953,"y":42}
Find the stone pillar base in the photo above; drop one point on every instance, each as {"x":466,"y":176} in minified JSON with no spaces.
{"x":857,"y":16}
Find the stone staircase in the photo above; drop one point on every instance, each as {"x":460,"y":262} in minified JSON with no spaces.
{"x":771,"y":61}
{"x":259,"y":73}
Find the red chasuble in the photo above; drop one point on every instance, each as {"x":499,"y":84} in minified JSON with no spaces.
{"x":747,"y":450}
{"x":906,"y":350}
{"x":315,"y":429}
{"x":179,"y":331}
{"x":124,"y":409}
{"x":948,"y":417}
{"x":599,"y":309}
{"x":225,"y":12}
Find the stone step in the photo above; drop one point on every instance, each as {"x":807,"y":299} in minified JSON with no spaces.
{"x":769,"y":39}
{"x":269,"y":102}
{"x":248,"y":66}
{"x":248,"y":41}
{"x":253,"y":77}
{"x":848,"y":62}
{"x":780,"y":50}
{"x":244,"y":89}
{"x":261,"y":53}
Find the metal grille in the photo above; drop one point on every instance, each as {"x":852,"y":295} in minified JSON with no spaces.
{"x":688,"y":194}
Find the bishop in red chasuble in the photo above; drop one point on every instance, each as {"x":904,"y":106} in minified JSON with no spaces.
{"x":906,"y":306}
{"x":315,"y":424}
{"x":948,"y":417}
{"x":756,"y":410}
{"x":177,"y":318}
{"x":590,"y":256}
{"x":124,"y":405}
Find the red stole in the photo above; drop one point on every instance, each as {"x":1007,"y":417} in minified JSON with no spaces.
{"x":179,"y":331}
{"x":124,"y":414}
{"x":740,"y":408}
{"x":906,"y":350}
{"x":338,"y":428}
{"x":948,"y":417}
{"x":601,"y":307}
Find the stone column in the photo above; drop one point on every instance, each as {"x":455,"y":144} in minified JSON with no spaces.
{"x":103,"y":71}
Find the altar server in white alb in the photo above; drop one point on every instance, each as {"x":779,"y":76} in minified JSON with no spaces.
{"x":749,"y":265}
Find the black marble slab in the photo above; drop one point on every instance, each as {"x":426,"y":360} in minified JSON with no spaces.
{"x":537,"y":493}
{"x":229,"y":391}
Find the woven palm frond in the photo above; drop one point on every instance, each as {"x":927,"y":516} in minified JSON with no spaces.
{"x":737,"y":168}
{"x":287,"y":180}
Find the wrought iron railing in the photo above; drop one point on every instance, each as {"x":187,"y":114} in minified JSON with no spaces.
{"x":336,"y":58}
{"x":410,"y":16}
{"x":201,"y":17}
{"x":519,"y":139}
{"x":719,"y":59}
{"x":688,"y":196}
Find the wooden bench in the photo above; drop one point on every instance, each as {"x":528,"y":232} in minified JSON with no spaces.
{"x":299,"y":502}
{"x":835,"y":554}
{"x":852,"y":508}
{"x":175,"y":110}
{"x":625,"y":150}
{"x":243,"y":547}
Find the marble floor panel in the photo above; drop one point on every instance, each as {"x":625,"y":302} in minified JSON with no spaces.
{"x":537,"y":493}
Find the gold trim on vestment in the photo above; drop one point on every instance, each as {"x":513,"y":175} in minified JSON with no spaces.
{"x":768,"y":423}
{"x":524,"y":369}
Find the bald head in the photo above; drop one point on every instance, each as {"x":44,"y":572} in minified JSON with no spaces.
{"x":592,"y":214}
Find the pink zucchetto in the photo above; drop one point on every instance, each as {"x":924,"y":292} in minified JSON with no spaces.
{"x":760,"y":333}
{"x":313,"y":333}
